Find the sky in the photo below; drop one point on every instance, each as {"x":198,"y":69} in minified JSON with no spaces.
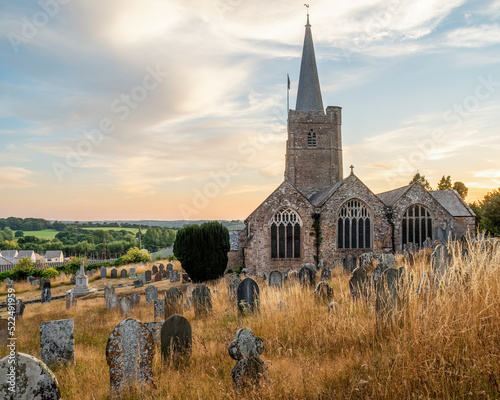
{"x":127,"y":110}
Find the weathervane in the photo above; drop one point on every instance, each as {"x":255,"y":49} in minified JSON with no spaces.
{"x":307,"y":5}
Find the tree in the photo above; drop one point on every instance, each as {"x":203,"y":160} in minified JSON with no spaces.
{"x":136,"y":255}
{"x":461,"y":189}
{"x":490,"y":213}
{"x":445,"y":183}
{"x":421,"y":178}
{"x":19,"y":234}
{"x":24,"y":267}
{"x":202,"y":250}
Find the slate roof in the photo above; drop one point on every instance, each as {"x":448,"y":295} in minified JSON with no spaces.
{"x":8,"y":253}
{"x":25,"y":253}
{"x":53,"y":254}
{"x":4,"y":261}
{"x":452,"y":202}
{"x":318,"y":199}
{"x":389,"y":198}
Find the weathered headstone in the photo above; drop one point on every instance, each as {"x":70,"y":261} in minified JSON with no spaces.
{"x":387,"y":302}
{"x":112,"y":300}
{"x":114,"y":273}
{"x":170,"y":267}
{"x":46,"y":295}
{"x":307,"y":277}
{"x":358,"y":284}
{"x":30,"y":278}
{"x":70,"y":299}
{"x":34,"y":282}
{"x":19,"y":308}
{"x":246,"y":348}
{"x":151,"y":294}
{"x":134,"y":299}
{"x":125,"y":306}
{"x":155,"y":329}
{"x":439,"y":263}
{"x":158,"y":277}
{"x":148,"y":276}
{"x":138,"y":284}
{"x":173,"y":302}
{"x":176,"y":338}
{"x":46,"y":284}
{"x":33,"y":379}
{"x":72,"y":281}
{"x":349,"y":263}
{"x":276,"y":279}
{"x":57,"y":342}
{"x":323,"y":292}
{"x":129,"y":354}
{"x":326,"y":273}
{"x":175,"y":276}
{"x":123,"y":273}
{"x":42,"y":281}
{"x":233,"y":288}
{"x":9,"y":283}
{"x":162,"y":267}
{"x":132,"y":274}
{"x":104,"y":272}
{"x":4,"y":331}
{"x":159,"y":309}
{"x":248,"y":296}
{"x":142,"y":278}
{"x":202,"y":301}
{"x":154,"y":270}
{"x":164,"y":274}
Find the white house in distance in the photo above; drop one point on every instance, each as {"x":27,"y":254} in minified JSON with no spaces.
{"x":54,"y":256}
{"x":9,"y":255}
{"x":26,"y":254}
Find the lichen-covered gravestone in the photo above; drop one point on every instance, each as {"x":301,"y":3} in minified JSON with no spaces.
{"x":104,"y":272}
{"x":276,"y":279}
{"x":142,"y":278}
{"x":176,"y":338}
{"x":246,"y":348}
{"x":132,"y":274}
{"x":129,"y":354}
{"x":70,"y":299}
{"x":173,"y":302}
{"x":24,"y":377}
{"x":159,"y":309}
{"x":307,"y":276}
{"x":19,"y":308}
{"x":358,"y":284}
{"x":125,"y":306}
{"x":112,"y":300}
{"x":233,"y":288}
{"x":248,"y":296}
{"x":439,"y":263}
{"x":155,"y":329}
{"x":175,"y":276}
{"x":114,"y":273}
{"x":57,"y":342}
{"x":202,"y":301}
{"x":323,"y":292}
{"x":387,"y":302}
{"x":151,"y":294}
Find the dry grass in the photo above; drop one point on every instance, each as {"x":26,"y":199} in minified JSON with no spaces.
{"x":447,"y":346}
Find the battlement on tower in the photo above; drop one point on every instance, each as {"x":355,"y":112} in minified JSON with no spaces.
{"x":333,"y":115}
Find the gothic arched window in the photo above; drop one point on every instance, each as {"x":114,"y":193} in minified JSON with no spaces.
{"x":285,"y":234}
{"x":416,"y":225}
{"x":311,"y":139}
{"x":354,"y":226}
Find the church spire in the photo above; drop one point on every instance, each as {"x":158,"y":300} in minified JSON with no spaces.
{"x":309,"y":92}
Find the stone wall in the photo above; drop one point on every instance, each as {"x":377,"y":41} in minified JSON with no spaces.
{"x":234,"y":259}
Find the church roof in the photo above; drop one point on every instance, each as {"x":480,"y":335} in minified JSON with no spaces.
{"x":318,"y":199}
{"x":309,"y":92}
{"x":452,"y":202}
{"x":389,"y":198}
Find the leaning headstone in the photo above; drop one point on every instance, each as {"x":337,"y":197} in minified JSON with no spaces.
{"x":123,"y":273}
{"x":276,"y":279}
{"x":170,"y":267}
{"x":19,"y":308}
{"x":202,"y":301}
{"x":142,"y":278}
{"x":57,"y":342}
{"x":46,"y":295}
{"x":33,"y":379}
{"x":307,"y":277}
{"x":326,"y":273}
{"x":233,"y":288}
{"x":148,"y":276}
{"x":151,"y":294}
{"x":323,"y":292}
{"x":248,"y":296}
{"x":246,"y":348}
{"x":70,"y":299}
{"x":358,"y":284}
{"x":112,"y":300}
{"x":173,"y":302}
{"x":104,"y":272}
{"x":134,"y":299}
{"x":175,"y":276}
{"x":132,"y":274}
{"x":125,"y":306}
{"x":159,"y":309}
{"x":155,"y":270}
{"x":129,"y":353}
{"x":114,"y":273}
{"x":158,"y":277}
{"x":176,"y":338}
{"x":4,"y":331}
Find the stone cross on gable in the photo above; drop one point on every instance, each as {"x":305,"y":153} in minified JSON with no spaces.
{"x":352,"y":169}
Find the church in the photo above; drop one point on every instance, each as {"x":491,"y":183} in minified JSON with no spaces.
{"x":318,"y":213}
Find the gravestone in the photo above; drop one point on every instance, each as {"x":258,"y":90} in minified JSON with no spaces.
{"x":134,"y":299}
{"x":125,"y":306}
{"x":307,"y":277}
{"x":151,"y":294}
{"x":176,"y":338}
{"x":275,"y":279}
{"x":323,"y":292}
{"x":34,"y":282}
{"x":233,"y":288}
{"x":72,"y":281}
{"x":33,"y":379}
{"x":132,"y":274}
{"x":129,"y":354}
{"x":358,"y":284}
{"x":155,"y":270}
{"x":170,"y":267}
{"x":70,"y":299}
{"x":112,"y":300}
{"x":349,"y":263}
{"x":439,"y":263}
{"x":175,"y":276}
{"x":248,"y":296}
{"x":138,"y":284}
{"x":246,"y":348}
{"x":46,"y":295}
{"x":326,"y":273}
{"x":162,"y":267}
{"x":19,"y":308}
{"x":123,"y":273}
{"x":173,"y":302}
{"x":104,"y":272}
{"x":159,"y":309}
{"x":148,"y":276}
{"x":155,"y":329}
{"x":4,"y":331}
{"x":114,"y":273}
{"x":158,"y":277}
{"x":30,"y":278}
{"x":387,"y":302}
{"x":42,"y":281}
{"x":142,"y":278}
{"x":202,"y":301}
{"x":165,"y":274}
{"x":57,"y":342}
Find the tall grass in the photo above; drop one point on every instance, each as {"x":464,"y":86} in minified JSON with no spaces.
{"x":446,"y":345}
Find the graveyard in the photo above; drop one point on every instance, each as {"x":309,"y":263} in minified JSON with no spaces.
{"x":336,"y":339}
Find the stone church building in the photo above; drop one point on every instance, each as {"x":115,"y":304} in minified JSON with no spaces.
{"x":318,"y":213}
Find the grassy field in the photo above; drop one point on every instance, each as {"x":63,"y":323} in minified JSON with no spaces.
{"x":43,"y":234}
{"x":446,"y":344}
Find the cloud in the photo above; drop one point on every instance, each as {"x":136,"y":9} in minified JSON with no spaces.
{"x":15,"y":178}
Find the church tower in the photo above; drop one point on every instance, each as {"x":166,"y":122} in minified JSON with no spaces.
{"x":314,"y":145}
